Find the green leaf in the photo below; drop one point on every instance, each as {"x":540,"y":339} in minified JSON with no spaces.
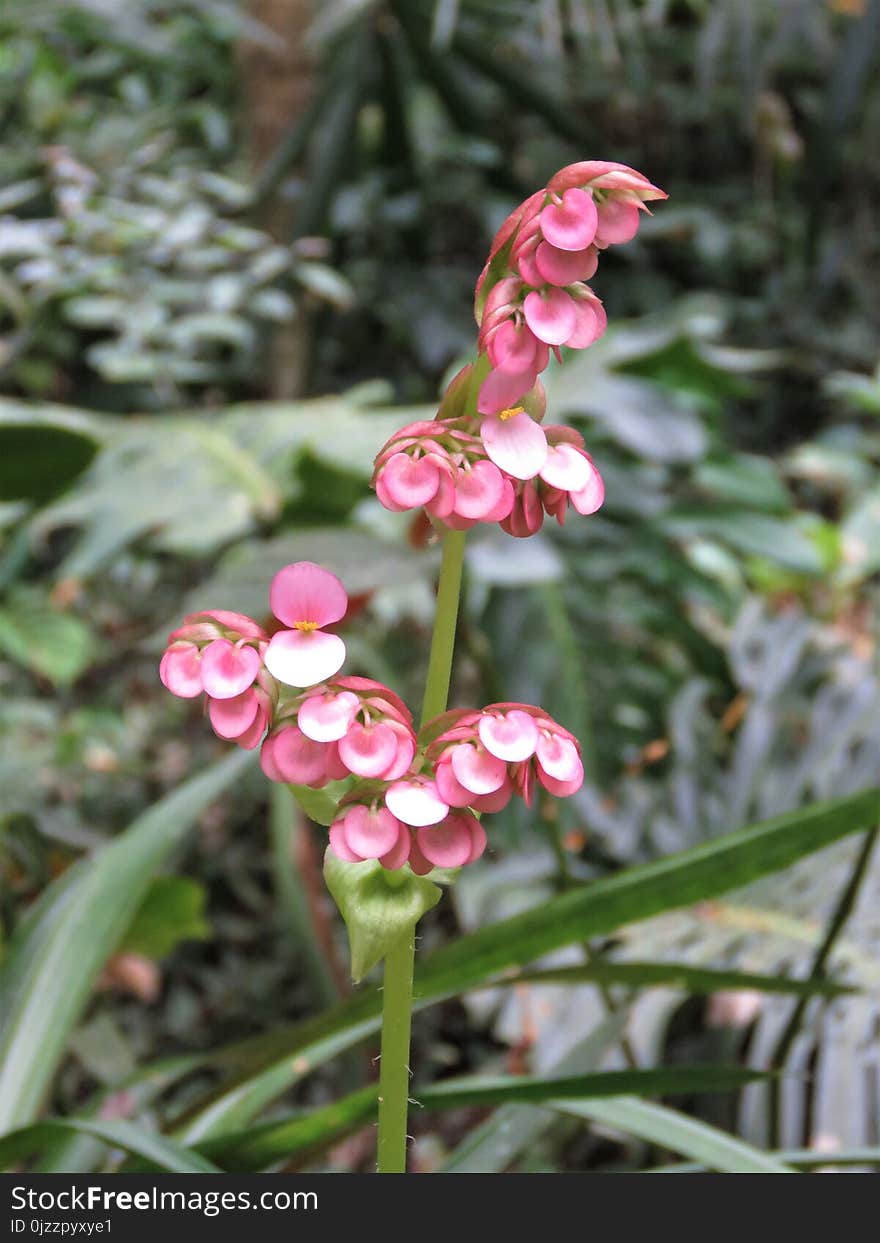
{"x":57,"y":954}
{"x":319,"y":805}
{"x":714,"y":867}
{"x":663,"y":1081}
{"x":172,"y":911}
{"x":695,"y":980}
{"x":670,"y":1129}
{"x":266,"y":1066}
{"x":55,"y":645}
{"x":32,"y":1140}
{"x":305,"y":1134}
{"x":377,"y":906}
{"x":43,"y":449}
{"x":294,"y":1138}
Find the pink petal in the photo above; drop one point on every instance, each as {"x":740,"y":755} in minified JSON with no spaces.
{"x":446,"y":845}
{"x":233,"y":717}
{"x":406,"y":749}
{"x":511,"y":738}
{"x":304,"y":657}
{"x":415,"y":802}
{"x":442,"y":503}
{"x":267,"y":759}
{"x":496,"y":801}
{"x":560,"y":789}
{"x":526,"y":265}
{"x":566,"y":468}
{"x":572,"y":224}
{"x":252,"y":736}
{"x":478,"y":839}
{"x":514,"y":347}
{"x":448,"y":787}
{"x":297,"y":759}
{"x":502,"y":389}
{"x":476,"y":769}
{"x":336,"y":770}
{"x":227,"y":669}
{"x":559,"y":758}
{"x":618,"y":222}
{"x":591,"y":322}
{"x":551,"y":315}
{"x":478,"y":490}
{"x":504,"y":506}
{"x":180,"y":670}
{"x":517,"y":444}
{"x":340,"y":846}
{"x":399,"y":852}
{"x":370,"y":833}
{"x":589,"y":498}
{"x":564,"y":267}
{"x":327,"y":718}
{"x":410,"y":482}
{"x":417,"y":861}
{"x":305,"y":592}
{"x":368,"y":750}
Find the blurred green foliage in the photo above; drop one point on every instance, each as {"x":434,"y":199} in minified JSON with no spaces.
{"x":710,"y":635}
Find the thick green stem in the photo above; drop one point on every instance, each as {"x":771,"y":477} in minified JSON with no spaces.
{"x":394,"y":1065}
{"x":445,"y":621}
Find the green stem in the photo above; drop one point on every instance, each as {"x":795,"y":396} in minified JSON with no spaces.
{"x":842,"y":910}
{"x":394,"y":1065}
{"x":445,"y":621}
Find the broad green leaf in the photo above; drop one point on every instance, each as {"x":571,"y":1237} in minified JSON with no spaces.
{"x":55,"y":957}
{"x":695,"y":980}
{"x":263,"y":1068}
{"x":46,"y":641}
{"x":32,"y":1140}
{"x":780,"y":541}
{"x":172,"y":911}
{"x":43,"y":448}
{"x":670,"y":1129}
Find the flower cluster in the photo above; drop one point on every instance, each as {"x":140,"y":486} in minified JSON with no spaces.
{"x":532,"y":294}
{"x":474,"y":763}
{"x":489,"y":459}
{"x":410,"y":800}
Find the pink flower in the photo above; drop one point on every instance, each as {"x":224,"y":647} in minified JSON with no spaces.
{"x":346,"y":727}
{"x":361,"y":833}
{"x":305,"y":597}
{"x":243,"y":719}
{"x":454,"y":842}
{"x":217,"y":652}
{"x":480,"y":759}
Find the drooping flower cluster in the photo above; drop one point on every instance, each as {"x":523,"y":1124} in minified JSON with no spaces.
{"x":532,"y":294}
{"x":410,"y":799}
{"x":488,"y":458}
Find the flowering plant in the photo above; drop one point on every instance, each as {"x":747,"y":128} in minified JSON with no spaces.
{"x":401,"y":802}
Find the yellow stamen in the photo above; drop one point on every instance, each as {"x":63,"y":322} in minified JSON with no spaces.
{"x":308,"y":627}
{"x":504,"y":415}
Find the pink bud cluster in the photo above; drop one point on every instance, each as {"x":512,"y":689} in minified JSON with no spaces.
{"x":347,"y":727}
{"x":475,"y":763}
{"x":532,"y":294}
{"x":486,"y":457}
